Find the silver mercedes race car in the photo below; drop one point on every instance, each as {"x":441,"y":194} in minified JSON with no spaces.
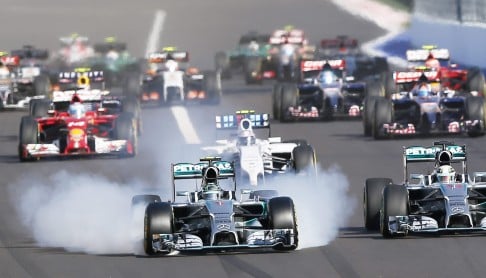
{"x":255,"y":158}
{"x":210,"y":218}
{"x":442,"y":201}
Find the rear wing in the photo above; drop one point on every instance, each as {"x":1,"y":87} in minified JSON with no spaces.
{"x":402,"y":77}
{"x":161,"y":57}
{"x":232,"y":121}
{"x":339,"y":42}
{"x":442,"y":152}
{"x":194,"y":170}
{"x":421,"y":55}
{"x":30,"y":53}
{"x":319,"y":64}
{"x":105,"y":47}
{"x":10,"y":61}
{"x":429,"y":154}
{"x":295,"y":36}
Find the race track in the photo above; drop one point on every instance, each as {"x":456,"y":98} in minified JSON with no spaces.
{"x":68,"y":218}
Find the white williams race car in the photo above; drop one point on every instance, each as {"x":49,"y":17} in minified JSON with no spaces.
{"x":255,"y":158}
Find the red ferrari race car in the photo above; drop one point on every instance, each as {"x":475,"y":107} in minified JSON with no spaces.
{"x":80,"y":130}
{"x":451,"y":76}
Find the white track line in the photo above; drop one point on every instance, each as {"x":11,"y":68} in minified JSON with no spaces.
{"x":180,"y":113}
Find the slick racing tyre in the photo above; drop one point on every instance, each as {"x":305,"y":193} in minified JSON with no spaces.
{"x":222,"y":65}
{"x":281,"y":213}
{"x":394,"y":203}
{"x":125,"y":130}
{"x":213,"y":90}
{"x":369,"y":114}
{"x":475,"y":81}
{"x":383,"y":115}
{"x":288,"y":99}
{"x":158,"y":220}
{"x":474,"y":111}
{"x":131,"y":104}
{"x":132,"y":84}
{"x":28,"y":134}
{"x":277,"y":100}
{"x":253,"y":70}
{"x":39,"y":107}
{"x":42,"y":85}
{"x":372,"y":194}
{"x":304,"y":159}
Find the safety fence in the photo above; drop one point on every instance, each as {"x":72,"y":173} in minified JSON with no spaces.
{"x":461,"y":11}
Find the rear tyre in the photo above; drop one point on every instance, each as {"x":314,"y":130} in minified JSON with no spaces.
{"x":474,"y":111}
{"x":222,"y":65}
{"x":394,"y":203}
{"x":125,"y":130}
{"x":277,"y":100}
{"x":159,"y":219}
{"x":383,"y":115}
{"x":475,"y":81}
{"x":42,"y":85}
{"x":281,"y":213}
{"x":372,"y":195}
{"x":288,"y":99}
{"x":253,"y":70}
{"x":131,"y":104}
{"x":39,"y":107}
{"x":304,"y":159}
{"x":28,"y":134}
{"x":213,"y":90}
{"x":369,"y":114}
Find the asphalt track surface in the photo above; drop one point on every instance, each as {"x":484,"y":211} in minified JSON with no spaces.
{"x":204,"y":27}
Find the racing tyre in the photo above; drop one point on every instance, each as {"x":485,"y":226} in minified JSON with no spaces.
{"x":304,"y":159}
{"x":132,"y":85}
{"x":288,"y":99}
{"x":28,"y":134}
{"x":383,"y":115}
{"x":394,"y":203}
{"x":389,"y":84}
{"x":372,"y":202}
{"x":253,"y":70}
{"x":369,"y":114}
{"x":213,"y":89}
{"x":374,"y":88}
{"x":277,"y":100}
{"x":131,"y":104}
{"x":39,"y":108}
{"x":474,"y":110}
{"x":125,"y":130}
{"x":281,"y":213}
{"x":222,"y":65}
{"x":42,"y":85}
{"x":158,"y":220}
{"x":475,"y":81}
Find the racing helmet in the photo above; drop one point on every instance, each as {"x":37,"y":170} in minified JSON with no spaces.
{"x":210,"y":188}
{"x":77,"y":110}
{"x":424,"y":90}
{"x":446,"y":174}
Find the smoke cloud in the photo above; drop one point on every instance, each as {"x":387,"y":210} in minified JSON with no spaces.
{"x":81,"y":213}
{"x":321,"y":204}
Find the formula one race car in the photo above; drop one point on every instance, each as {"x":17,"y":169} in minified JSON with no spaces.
{"x":324,"y":92}
{"x":251,"y":56}
{"x":443,"y":201}
{"x":450,"y":75}
{"x":422,"y":106}
{"x":121,"y":70}
{"x":169,"y":81}
{"x":257,"y":158}
{"x":359,"y":65}
{"x":22,"y":77}
{"x":79,"y":121}
{"x":212,"y":219}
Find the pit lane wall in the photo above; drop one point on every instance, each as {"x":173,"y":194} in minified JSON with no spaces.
{"x":459,"y":25}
